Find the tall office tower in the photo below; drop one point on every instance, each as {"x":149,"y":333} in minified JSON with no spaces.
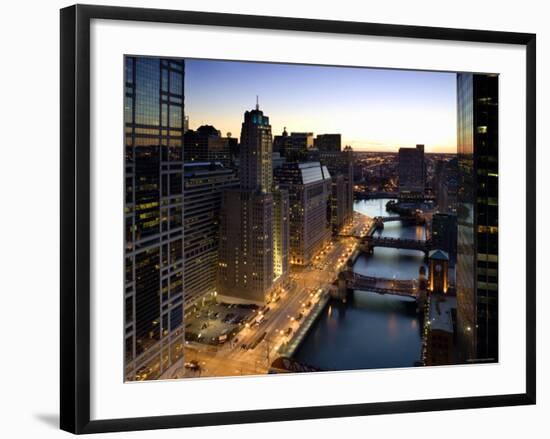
{"x":281,"y":234}
{"x":340,"y":163}
{"x":308,"y":185}
{"x":153,"y":212}
{"x":477,"y":261}
{"x":412,"y":172}
{"x":247,"y":258}
{"x":282,"y":143}
{"x":444,"y":234}
{"x":328,"y":142}
{"x":255,"y":154}
{"x":204,"y":184}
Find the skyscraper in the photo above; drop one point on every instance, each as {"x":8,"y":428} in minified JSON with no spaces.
{"x":204,"y":184}
{"x":308,"y":185}
{"x":251,"y":262}
{"x":154,"y":123}
{"x":412,"y":172}
{"x":255,"y":153}
{"x":477,"y":295}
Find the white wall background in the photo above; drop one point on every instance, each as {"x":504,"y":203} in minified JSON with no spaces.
{"x":29,"y":218}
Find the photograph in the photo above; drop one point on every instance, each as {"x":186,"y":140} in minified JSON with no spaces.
{"x":289,"y":218}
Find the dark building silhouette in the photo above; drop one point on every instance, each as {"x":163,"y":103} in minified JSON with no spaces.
{"x":282,"y":143}
{"x":328,"y":142}
{"x":153,"y":213}
{"x":444,"y":234}
{"x":412,"y":172}
{"x":206,"y":144}
{"x":446,"y":185}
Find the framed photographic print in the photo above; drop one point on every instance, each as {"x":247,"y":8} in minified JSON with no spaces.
{"x":268,"y":218}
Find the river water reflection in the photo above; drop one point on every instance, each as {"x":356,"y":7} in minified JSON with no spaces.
{"x":371,"y":330}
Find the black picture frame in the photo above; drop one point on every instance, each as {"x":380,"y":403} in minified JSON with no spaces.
{"x":75,"y":217}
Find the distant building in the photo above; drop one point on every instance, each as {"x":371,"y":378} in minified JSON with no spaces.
{"x":234,"y":152}
{"x":340,"y":163}
{"x":206,"y":145}
{"x":196,"y":143}
{"x":446,"y":185}
{"x":219,"y":150}
{"x":153,"y":251}
{"x":308,"y":186}
{"x":300,"y":144}
{"x":328,"y":142}
{"x":282,"y":143}
{"x":477,"y":209}
{"x":412,"y":172}
{"x":204,"y":184}
{"x":444,"y":234}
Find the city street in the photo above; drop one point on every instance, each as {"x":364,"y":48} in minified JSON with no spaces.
{"x":306,"y":284}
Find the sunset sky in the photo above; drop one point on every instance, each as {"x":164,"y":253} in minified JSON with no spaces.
{"x":373,"y":109}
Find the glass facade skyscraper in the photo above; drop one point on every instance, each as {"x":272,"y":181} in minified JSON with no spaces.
{"x":477,"y":210}
{"x":153,"y":212}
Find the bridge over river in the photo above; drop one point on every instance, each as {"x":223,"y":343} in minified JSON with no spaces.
{"x":396,"y":287}
{"x":369,"y":241}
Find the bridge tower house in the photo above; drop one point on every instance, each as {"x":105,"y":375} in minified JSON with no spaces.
{"x":342,"y":285}
{"x":438,"y":263}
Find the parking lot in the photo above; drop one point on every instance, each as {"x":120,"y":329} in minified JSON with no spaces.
{"x":218,"y":322}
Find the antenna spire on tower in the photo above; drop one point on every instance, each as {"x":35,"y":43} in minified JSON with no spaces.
{"x":257,"y":103}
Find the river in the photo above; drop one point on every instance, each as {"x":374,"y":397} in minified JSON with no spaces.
{"x":370,"y":330}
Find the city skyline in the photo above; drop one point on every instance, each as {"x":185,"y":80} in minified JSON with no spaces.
{"x":377,"y":103}
{"x":260,"y":253}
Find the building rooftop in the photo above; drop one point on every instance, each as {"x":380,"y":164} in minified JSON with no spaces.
{"x":441,"y":317}
{"x":191,"y":169}
{"x":303,"y":173}
{"x":438,"y":255}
